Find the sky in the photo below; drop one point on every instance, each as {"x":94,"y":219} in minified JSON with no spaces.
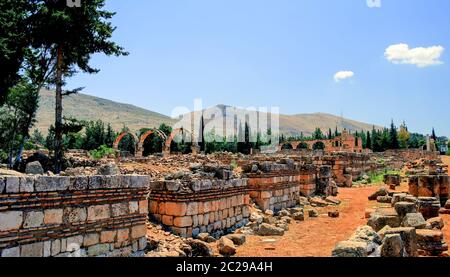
{"x":371,"y":61}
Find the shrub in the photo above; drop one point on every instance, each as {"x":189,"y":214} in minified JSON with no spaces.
{"x":101,"y":152}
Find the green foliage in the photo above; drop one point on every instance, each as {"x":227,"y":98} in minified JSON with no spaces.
{"x":319,"y":146}
{"x":101,"y":152}
{"x":234,"y":165}
{"x":317,"y":134}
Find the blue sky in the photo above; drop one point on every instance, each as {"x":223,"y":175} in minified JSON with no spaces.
{"x":282,"y":53}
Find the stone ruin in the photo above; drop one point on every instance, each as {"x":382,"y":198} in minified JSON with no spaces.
{"x":81,"y":216}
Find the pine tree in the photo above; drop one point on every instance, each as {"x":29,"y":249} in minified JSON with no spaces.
{"x":202,"y":142}
{"x":393,"y":137}
{"x":368,"y":141}
{"x":76,"y":34}
{"x":330,"y":134}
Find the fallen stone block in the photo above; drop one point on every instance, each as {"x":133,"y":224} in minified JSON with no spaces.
{"x":381,"y":192}
{"x":377,"y":221}
{"x":436,"y":223}
{"x":392,"y":246}
{"x":269,"y":230}
{"x":226,"y":247}
{"x":409,"y":239}
{"x":415,"y":220}
{"x":350,"y":249}
{"x":404,"y":208}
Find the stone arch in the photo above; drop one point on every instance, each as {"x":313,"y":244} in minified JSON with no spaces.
{"x":144,"y":136}
{"x":287,"y":146}
{"x":171,"y":137}
{"x":121,"y":136}
{"x":319,"y":145}
{"x":302,"y":146}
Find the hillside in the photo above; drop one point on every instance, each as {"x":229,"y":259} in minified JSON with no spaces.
{"x":85,"y":107}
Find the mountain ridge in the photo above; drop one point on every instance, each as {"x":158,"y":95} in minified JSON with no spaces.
{"x":88,"y":107}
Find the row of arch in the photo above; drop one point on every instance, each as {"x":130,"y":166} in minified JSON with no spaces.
{"x":167,"y":140}
{"x":317,"y":145}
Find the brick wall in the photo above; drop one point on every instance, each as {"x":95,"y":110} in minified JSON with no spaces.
{"x":280,"y":185}
{"x":73,"y":216}
{"x":188,"y":208}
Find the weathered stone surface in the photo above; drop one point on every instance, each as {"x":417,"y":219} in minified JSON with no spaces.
{"x":119,"y":209}
{"x":392,"y":246}
{"x":26,"y":184}
{"x":52,"y":183}
{"x":13,"y":252}
{"x":138,"y":231}
{"x":409,"y":239}
{"x":377,"y":221}
{"x":109,"y":169}
{"x":237,"y":239}
{"x":384,"y":199}
{"x":33,"y":219}
{"x":226,"y":247}
{"x":313,"y":213}
{"x":10,"y":220}
{"x":12,"y":184}
{"x":200,"y":248}
{"x":79,"y":183}
{"x":98,"y":212}
{"x":206,"y":237}
{"x":53,"y":216}
{"x":334,"y":214}
{"x":398,"y":197}
{"x":108,"y":236}
{"x":269,"y":230}
{"x":255,"y":217}
{"x":98,"y":249}
{"x":34,"y":168}
{"x":436,"y":223}
{"x":429,"y":207}
{"x":298,"y":216}
{"x":415,"y":220}
{"x":381,"y":192}
{"x":74,"y":215}
{"x":91,"y":239}
{"x":350,"y":249}
{"x":32,"y":250}
{"x":404,"y":208}
{"x":2,"y":185}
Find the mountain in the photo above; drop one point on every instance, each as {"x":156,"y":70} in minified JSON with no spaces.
{"x":86,"y":107}
{"x":290,"y":125}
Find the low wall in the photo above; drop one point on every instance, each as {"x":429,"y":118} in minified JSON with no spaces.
{"x":188,"y":208}
{"x":275,"y":186}
{"x":73,"y":216}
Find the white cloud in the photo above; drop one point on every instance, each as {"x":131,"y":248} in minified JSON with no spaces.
{"x":342,"y":75}
{"x":420,"y":56}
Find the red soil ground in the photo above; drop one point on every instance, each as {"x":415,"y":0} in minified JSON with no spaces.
{"x":315,"y":237}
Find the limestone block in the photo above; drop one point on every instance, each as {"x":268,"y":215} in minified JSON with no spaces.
{"x":26,"y":184}
{"x":33,"y":219}
{"x":98,"y":212}
{"x":52,"y":183}
{"x":32,"y":250}
{"x":120,"y":209}
{"x":176,"y":209}
{"x":11,"y":220}
{"x":108,"y":236}
{"x":91,"y":239}
{"x":12,"y":184}
{"x":184,"y":221}
{"x":134,"y":207}
{"x":138,"y":231}
{"x":74,"y":215}
{"x":79,"y":183}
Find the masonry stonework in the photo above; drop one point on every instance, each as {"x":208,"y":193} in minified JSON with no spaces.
{"x":73,"y":216}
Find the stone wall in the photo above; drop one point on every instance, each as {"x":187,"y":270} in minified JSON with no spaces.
{"x":276,"y":186}
{"x":47,"y":216}
{"x":190,"y":207}
{"x":430,"y":186}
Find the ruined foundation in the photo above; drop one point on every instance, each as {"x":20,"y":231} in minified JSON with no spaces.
{"x":73,"y":216}
{"x":192,"y":207}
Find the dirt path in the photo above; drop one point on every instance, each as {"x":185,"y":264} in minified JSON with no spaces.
{"x":315,"y":237}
